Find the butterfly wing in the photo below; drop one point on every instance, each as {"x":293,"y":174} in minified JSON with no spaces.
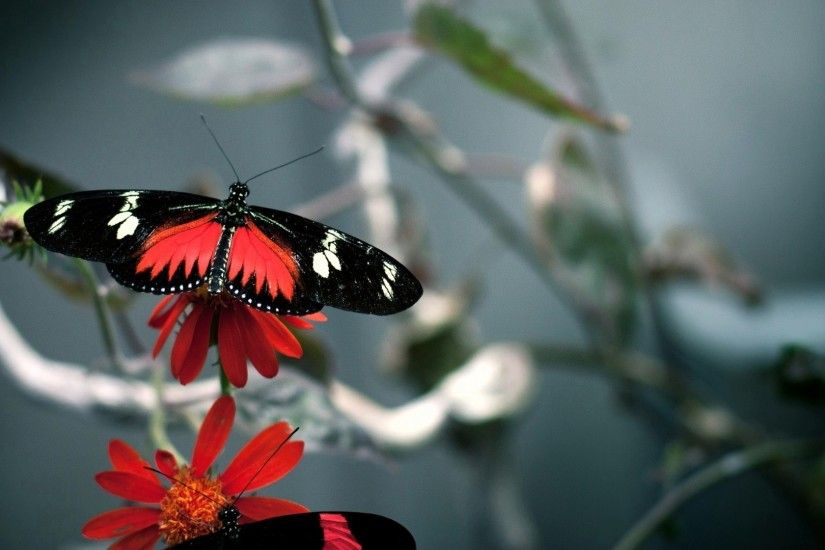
{"x":109,"y":226}
{"x":152,"y":241}
{"x":336,"y":269}
{"x":313,"y":530}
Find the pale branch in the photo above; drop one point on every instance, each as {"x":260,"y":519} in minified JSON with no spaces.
{"x":495,"y":383}
{"x":730,"y":465}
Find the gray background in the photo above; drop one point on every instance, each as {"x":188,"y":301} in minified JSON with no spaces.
{"x":726,"y":103}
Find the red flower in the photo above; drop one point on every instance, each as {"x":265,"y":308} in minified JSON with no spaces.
{"x":241,"y":332}
{"x":189,"y":506}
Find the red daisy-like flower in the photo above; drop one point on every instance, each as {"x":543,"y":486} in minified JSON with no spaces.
{"x":189,"y":506}
{"x":242,"y":333}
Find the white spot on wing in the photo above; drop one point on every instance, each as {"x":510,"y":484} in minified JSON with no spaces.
{"x":127,"y":227}
{"x":120,"y":217}
{"x":320,"y":265}
{"x":386,"y":288}
{"x":63,"y":207}
{"x":390,"y":271}
{"x":333,"y":259}
{"x":329,"y":255}
{"x":57,"y":224}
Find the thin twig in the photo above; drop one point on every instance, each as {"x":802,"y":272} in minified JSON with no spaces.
{"x":729,"y":466}
{"x":157,"y":417}
{"x":446,"y":160}
{"x":338,"y":47}
{"x":380,"y":42}
{"x":102,"y":313}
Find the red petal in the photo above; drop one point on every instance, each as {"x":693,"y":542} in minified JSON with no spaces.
{"x":131,"y":486}
{"x":318,"y":317}
{"x":166,"y":462}
{"x":257,"y":346}
{"x":125,"y":459}
{"x":253,"y":455}
{"x":120,"y":522}
{"x":192,"y":344}
{"x":169,"y":320}
{"x":144,"y":539}
{"x":184,"y":340}
{"x":258,"y":508}
{"x":213,"y":434}
{"x":231,"y":348}
{"x":278,"y":335}
{"x":158,"y":316}
{"x":303,"y":322}
{"x":297,"y":322}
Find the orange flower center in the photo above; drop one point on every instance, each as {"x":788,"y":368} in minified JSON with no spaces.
{"x":190,"y":507}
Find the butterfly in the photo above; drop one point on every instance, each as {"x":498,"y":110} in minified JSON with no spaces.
{"x":321,"y":530}
{"x":167,"y":242}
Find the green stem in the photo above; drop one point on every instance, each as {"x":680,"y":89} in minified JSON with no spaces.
{"x":101,"y":312}
{"x":337,"y":46}
{"x":226,"y":387}
{"x":730,"y":465}
{"x":157,"y":418}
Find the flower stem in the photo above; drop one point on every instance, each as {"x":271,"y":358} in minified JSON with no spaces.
{"x":157,"y":417}
{"x":226,"y":387}
{"x":728,"y":466}
{"x":101,"y":312}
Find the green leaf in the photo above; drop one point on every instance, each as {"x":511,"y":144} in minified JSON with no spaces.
{"x":439,"y":28}
{"x":233,"y":71}
{"x":304,"y":403}
{"x":580,"y":232}
{"x":13,"y":168}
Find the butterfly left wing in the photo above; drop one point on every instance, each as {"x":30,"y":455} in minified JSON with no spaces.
{"x":313,"y":530}
{"x":329,"y":267}
{"x":109,"y":226}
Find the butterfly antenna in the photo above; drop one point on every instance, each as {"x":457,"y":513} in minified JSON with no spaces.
{"x":218,"y":143}
{"x":174,"y":479}
{"x":315,"y":152}
{"x":270,"y":457}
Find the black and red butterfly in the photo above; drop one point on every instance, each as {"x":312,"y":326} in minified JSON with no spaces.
{"x":321,"y":530}
{"x":167,"y":242}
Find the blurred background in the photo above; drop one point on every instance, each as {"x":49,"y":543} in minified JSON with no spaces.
{"x":725,"y":106}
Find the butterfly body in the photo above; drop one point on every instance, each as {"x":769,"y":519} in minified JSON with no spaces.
{"x":167,"y":242}
{"x":312,"y":530}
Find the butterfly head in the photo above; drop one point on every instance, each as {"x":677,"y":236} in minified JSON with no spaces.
{"x":238,"y":192}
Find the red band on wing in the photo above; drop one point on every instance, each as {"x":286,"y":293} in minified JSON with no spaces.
{"x":271,"y":263}
{"x":337,"y":535}
{"x":191,"y":244}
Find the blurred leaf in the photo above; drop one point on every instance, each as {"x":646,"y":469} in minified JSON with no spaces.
{"x":13,"y":168}
{"x":304,"y":404}
{"x":579,"y":230}
{"x":233,"y":71}
{"x":438,"y":27}
{"x":800,"y":373}
{"x":435,"y":341}
{"x":684,"y":252}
